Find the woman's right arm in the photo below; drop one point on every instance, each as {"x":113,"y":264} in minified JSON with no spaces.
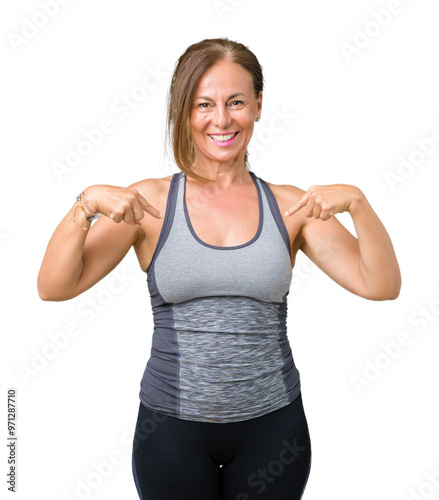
{"x":76,"y":259}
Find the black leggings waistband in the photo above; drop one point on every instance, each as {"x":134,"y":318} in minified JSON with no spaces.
{"x":267,"y":457}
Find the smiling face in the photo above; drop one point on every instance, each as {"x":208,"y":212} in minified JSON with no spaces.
{"x":223,"y":113}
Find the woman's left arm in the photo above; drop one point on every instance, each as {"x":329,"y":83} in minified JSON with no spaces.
{"x":366,"y":265}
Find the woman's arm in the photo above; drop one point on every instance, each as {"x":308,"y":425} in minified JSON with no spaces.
{"x":76,"y":259}
{"x":378,"y":263}
{"x":366,"y":265}
{"x":62,"y":262}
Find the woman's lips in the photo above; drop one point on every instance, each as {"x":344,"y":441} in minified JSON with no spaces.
{"x":223,"y":139}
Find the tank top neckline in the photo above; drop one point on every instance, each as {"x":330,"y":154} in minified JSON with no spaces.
{"x":191,"y":229}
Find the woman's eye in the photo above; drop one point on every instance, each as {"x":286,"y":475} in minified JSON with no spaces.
{"x":206,"y":105}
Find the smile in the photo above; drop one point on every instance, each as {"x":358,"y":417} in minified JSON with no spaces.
{"x":223,"y":139}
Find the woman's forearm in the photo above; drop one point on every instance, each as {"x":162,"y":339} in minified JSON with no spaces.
{"x":378,"y":263}
{"x":62,"y":263}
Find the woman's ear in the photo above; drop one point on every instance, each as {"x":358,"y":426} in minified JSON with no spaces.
{"x":260,"y":103}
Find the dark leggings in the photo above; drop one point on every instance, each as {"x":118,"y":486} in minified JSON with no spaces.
{"x":267,"y":457}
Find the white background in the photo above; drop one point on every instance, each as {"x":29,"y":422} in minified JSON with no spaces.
{"x":349,"y":119}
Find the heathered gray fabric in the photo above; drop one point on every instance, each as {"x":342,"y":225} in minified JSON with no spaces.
{"x":230,"y":363}
{"x":220,"y":351}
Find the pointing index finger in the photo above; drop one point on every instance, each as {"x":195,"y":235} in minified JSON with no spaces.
{"x":147,"y":207}
{"x":295,"y":207}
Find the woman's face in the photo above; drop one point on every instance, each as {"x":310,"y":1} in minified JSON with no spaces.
{"x":223,"y":113}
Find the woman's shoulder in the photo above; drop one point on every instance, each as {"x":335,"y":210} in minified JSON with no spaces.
{"x":155,"y":191}
{"x":153,"y":187}
{"x":153,"y":181}
{"x":285,"y":193}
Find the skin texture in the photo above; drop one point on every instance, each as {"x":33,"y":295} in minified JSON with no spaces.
{"x":225,"y":212}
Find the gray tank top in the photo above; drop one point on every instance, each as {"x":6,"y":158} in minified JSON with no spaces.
{"x":220,"y":351}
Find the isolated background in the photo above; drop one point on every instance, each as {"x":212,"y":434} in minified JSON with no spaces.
{"x":346,"y":120}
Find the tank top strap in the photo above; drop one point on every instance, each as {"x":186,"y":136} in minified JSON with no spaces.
{"x":275,"y":212}
{"x":168,"y":217}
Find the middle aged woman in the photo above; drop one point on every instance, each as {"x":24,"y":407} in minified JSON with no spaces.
{"x":221,"y":414}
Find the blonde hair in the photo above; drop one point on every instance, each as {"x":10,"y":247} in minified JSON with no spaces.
{"x":189,"y":68}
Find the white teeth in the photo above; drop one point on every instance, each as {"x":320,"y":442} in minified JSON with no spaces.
{"x":222,"y":138}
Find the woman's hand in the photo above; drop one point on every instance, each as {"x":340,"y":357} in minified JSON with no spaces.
{"x":322,"y":202}
{"x":118,"y":203}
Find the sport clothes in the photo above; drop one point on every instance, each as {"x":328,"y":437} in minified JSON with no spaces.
{"x":220,"y":351}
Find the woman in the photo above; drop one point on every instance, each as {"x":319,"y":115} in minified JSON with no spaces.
{"x":220,"y":412}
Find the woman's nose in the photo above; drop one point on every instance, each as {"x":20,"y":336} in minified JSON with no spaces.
{"x":222,"y":117}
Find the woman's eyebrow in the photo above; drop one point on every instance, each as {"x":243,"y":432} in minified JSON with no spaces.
{"x":230,"y":96}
